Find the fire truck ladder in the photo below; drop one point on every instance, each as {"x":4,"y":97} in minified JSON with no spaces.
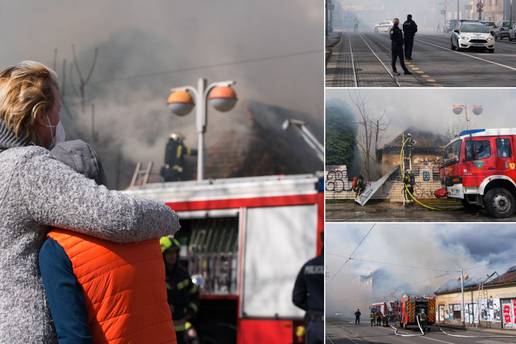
{"x":141,"y":174}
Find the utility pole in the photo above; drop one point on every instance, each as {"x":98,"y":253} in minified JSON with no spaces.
{"x":463,"y":314}
{"x":458,"y":9}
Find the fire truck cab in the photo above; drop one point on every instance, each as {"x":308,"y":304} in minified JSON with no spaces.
{"x":248,"y":238}
{"x":479,"y":168}
{"x":411,"y":306}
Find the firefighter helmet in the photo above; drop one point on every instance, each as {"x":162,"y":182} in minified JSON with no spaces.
{"x":168,"y":242}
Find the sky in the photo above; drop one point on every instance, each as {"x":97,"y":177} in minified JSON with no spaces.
{"x":277,"y":47}
{"x":409,"y":260}
{"x":431,"y":109}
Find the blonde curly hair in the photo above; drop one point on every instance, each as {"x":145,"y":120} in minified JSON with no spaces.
{"x":26,"y":94}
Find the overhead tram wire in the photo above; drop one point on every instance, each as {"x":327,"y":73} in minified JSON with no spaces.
{"x":207,"y":66}
{"x":352,"y":253}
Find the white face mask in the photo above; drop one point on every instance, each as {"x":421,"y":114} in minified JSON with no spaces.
{"x":58,"y":133}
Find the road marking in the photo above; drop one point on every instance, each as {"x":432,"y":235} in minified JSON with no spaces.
{"x":425,"y":76}
{"x":431,"y":80}
{"x":468,"y":55}
{"x":420,"y":72}
{"x":437,"y":340}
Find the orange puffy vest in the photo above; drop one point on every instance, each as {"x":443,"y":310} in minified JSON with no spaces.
{"x":124,"y":288}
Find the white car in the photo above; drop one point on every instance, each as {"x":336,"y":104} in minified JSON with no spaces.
{"x":384,"y":26}
{"x":469,"y":35}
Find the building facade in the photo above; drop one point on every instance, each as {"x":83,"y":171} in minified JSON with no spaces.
{"x":491,"y":304}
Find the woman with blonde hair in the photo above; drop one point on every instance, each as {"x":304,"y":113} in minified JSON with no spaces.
{"x":37,"y":191}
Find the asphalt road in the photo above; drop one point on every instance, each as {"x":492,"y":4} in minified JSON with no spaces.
{"x":349,"y":211}
{"x":363,"y":60}
{"x":340,"y":332}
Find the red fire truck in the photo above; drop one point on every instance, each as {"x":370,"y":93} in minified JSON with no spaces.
{"x":389,"y":309}
{"x":479,"y":169}
{"x":247,"y":238}
{"x":411,"y":306}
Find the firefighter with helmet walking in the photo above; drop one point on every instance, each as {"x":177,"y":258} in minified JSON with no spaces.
{"x":308,"y":294}
{"x":397,"y":42}
{"x":183,"y":294}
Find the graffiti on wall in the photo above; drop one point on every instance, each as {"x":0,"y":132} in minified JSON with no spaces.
{"x":337,"y":179}
{"x":490,"y":310}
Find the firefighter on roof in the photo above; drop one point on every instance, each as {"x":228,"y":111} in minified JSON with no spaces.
{"x":175,"y":153}
{"x":183,"y":294}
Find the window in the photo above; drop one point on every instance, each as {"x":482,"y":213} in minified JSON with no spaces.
{"x":503,"y":148}
{"x":476,"y":150}
{"x":452,"y":153}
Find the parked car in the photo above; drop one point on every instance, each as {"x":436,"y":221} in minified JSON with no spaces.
{"x":502,"y":30}
{"x":470,"y":35}
{"x":512,"y":32}
{"x":384,"y":26}
{"x":490,"y":25}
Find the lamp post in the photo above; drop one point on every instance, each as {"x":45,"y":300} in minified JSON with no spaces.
{"x":181,"y":101}
{"x":460,"y":108}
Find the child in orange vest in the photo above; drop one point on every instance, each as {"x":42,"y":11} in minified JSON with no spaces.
{"x":99,"y":291}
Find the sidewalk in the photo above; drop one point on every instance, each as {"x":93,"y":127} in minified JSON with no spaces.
{"x":331,"y":40}
{"x":480,"y":330}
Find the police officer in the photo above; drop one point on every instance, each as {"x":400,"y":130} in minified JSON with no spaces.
{"x":397,"y":47}
{"x":308,"y":294}
{"x":183,"y":294}
{"x":409,"y":30}
{"x":175,"y":152}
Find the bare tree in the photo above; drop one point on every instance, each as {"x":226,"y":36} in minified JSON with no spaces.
{"x":371,"y":131}
{"x":83,"y":81}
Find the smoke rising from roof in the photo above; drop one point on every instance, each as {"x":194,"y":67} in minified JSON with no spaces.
{"x":272,"y":49}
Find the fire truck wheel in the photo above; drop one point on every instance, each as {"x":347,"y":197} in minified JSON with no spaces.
{"x":499,"y":202}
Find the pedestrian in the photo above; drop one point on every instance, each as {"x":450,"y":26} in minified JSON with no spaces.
{"x":409,"y":30}
{"x":83,"y":275}
{"x":183,"y":294}
{"x":38,"y":191}
{"x":397,"y":48}
{"x":378,"y":319}
{"x":308,"y":294}
{"x":371,"y":318}
{"x":357,"y":316}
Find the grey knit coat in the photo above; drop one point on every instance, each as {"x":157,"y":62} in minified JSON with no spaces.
{"x":37,"y":191}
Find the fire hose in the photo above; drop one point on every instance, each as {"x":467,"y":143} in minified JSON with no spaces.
{"x":405,"y":187}
{"x":463,"y":336}
{"x":410,"y":335}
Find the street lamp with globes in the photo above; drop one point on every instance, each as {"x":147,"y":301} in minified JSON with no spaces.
{"x":460,"y":108}
{"x":182,"y":100}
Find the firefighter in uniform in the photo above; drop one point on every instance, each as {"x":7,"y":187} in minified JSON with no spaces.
{"x":409,"y":30}
{"x":397,"y":47}
{"x":423,"y":319}
{"x":175,"y":152}
{"x":183,"y":294}
{"x":357,"y":317}
{"x":308,"y":294}
{"x":408,"y":187}
{"x":371,"y":318}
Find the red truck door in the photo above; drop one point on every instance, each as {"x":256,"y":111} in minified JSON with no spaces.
{"x":479,"y":158}
{"x":505,"y":164}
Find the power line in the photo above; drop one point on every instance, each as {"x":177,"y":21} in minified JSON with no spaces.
{"x":352,"y":253}
{"x":222,"y":64}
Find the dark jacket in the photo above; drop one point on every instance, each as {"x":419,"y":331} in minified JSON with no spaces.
{"x":396,"y":37}
{"x":308,"y":293}
{"x":183,"y":294}
{"x":409,"y":28}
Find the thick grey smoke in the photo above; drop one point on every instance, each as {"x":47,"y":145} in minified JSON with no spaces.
{"x":272,"y":49}
{"x":427,"y":14}
{"x":404,"y":259}
{"x":431,"y":109}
